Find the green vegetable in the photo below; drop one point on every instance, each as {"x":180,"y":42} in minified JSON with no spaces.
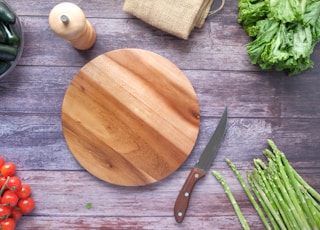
{"x":4,"y":66}
{"x":3,"y":35}
{"x":233,"y":201}
{"x":6,"y":15}
{"x":288,"y":201}
{"x":268,"y":206}
{"x":89,"y":205}
{"x":250,"y":196}
{"x":11,"y":37}
{"x":8,"y":53}
{"x":284,"y":32}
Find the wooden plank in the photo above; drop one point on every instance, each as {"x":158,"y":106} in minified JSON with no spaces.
{"x":248,"y":94}
{"x":133,"y":223}
{"x":202,"y":51}
{"x":36,"y":142}
{"x":97,"y":9}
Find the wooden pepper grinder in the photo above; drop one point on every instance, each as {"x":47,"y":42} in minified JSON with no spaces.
{"x":68,"y":22}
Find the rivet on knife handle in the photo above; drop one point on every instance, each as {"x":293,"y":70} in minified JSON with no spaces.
{"x":182,"y":202}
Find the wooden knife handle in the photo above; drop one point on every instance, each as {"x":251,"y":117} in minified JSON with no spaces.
{"x":182,"y":202}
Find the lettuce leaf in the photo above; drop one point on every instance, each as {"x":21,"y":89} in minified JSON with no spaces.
{"x":312,"y":17}
{"x":250,"y":12}
{"x":287,"y":10}
{"x":284,"y":32}
{"x":266,"y":33}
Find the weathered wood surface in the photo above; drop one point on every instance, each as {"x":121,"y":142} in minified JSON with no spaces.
{"x":262,"y":104}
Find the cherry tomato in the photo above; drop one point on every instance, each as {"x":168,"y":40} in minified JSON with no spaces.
{"x":16,"y":213}
{"x":5,"y":212}
{"x":1,"y":162}
{"x":24,"y":191}
{"x":8,"y":169}
{"x":14,"y":183}
{"x":8,"y":224}
{"x":9,"y":198}
{"x":2,"y":181}
{"x":26,"y":205}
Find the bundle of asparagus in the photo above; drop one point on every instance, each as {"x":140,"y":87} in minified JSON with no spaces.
{"x":285,"y":198}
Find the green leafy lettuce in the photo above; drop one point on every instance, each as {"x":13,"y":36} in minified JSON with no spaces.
{"x":284,"y":32}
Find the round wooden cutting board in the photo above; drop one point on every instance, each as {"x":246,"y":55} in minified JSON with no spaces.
{"x":130,"y":117}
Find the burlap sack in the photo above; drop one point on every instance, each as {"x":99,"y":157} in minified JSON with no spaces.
{"x":177,"y":17}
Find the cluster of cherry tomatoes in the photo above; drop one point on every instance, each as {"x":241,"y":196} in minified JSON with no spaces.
{"x":15,"y":197}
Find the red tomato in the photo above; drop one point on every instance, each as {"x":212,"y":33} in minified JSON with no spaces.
{"x":8,"y":169}
{"x":26,"y":205}
{"x":9,"y":198}
{"x":1,"y":162}
{"x":16,"y":213}
{"x":24,"y":191}
{"x":2,"y":181}
{"x":8,"y":224}
{"x":14,"y":183}
{"x":5,"y":212}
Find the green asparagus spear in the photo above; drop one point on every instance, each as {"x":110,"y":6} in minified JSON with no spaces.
{"x":272,"y":210}
{"x":249,"y":195}
{"x":262,"y":203}
{"x":233,"y":201}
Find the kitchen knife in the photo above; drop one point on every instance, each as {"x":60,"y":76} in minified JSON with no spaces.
{"x":200,"y":169}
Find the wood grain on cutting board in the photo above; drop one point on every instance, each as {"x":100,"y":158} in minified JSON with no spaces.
{"x":130,"y":117}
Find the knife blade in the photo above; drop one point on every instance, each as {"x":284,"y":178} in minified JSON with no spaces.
{"x":200,"y":168}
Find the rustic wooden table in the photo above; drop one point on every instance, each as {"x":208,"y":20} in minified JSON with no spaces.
{"x":262,"y":105}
